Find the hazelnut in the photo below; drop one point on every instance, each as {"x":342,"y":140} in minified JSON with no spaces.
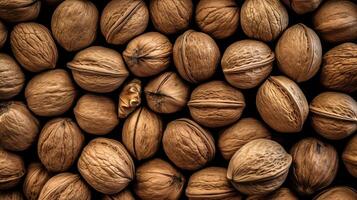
{"x":123,"y":195}
{"x":349,"y":156}
{"x":280,"y":194}
{"x":19,"y":10}
{"x":302,"y":7}
{"x":12,"y":169}
{"x":3,"y":34}
{"x":129,"y":98}
{"x":11,"y":195}
{"x":35,"y":179}
{"x":337,"y":193}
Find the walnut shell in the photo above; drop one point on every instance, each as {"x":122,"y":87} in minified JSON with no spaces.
{"x":65,"y":186}
{"x":123,"y":195}
{"x":240,"y":133}
{"x":106,"y":165}
{"x":98,"y":69}
{"x":259,"y":167}
{"x":299,"y":53}
{"x":96,"y":114}
{"x":334,"y":115}
{"x":314,"y":165}
{"x":337,"y":193}
{"x":142,"y":133}
{"x":50,"y":93}
{"x":157,"y":180}
{"x":171,"y":16}
{"x":349,"y":156}
{"x":123,"y":20}
{"x":263,"y":20}
{"x":74,"y":24}
{"x":247,"y":63}
{"x":12,"y":169}
{"x":35,"y":179}
{"x":12,"y":79}
{"x":11,"y":195}
{"x":187,"y":144}
{"x":18,"y":127}
{"x":196,"y":56}
{"x":301,"y":6}
{"x":3,"y":34}
{"x":282,"y":104}
{"x":216,"y":104}
{"x":339,"y":69}
{"x":280,"y":194}
{"x":167,"y":93}
{"x":129,"y":98}
{"x":59,"y":144}
{"x":19,"y":10}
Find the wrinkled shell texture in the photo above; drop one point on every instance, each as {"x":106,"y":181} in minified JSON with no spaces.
{"x":157,"y":179}
{"x":34,"y":47}
{"x":282,"y":104}
{"x":129,"y":98}
{"x":18,"y":127}
{"x":334,"y":115}
{"x":349,"y":156}
{"x":167,"y":93}
{"x":106,"y":165}
{"x":11,"y":195}
{"x":196,"y":56}
{"x":98,"y":69}
{"x":35,"y":179}
{"x":19,"y":10}
{"x":338,"y":193}
{"x":264,"y":20}
{"x":171,"y":16}
{"x":148,"y":54}
{"x":123,"y":20}
{"x":123,"y":195}
{"x":50,"y":93}
{"x":280,"y":194}
{"x":74,"y":24}
{"x":299,"y":53}
{"x":247,"y":63}
{"x":188,"y":145}
{"x":314,"y":165}
{"x":12,"y":169}
{"x":3,"y":34}
{"x":302,"y":6}
{"x":259,"y":167}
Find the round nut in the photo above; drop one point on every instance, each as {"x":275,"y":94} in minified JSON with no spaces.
{"x":129,"y":98}
{"x":19,"y":10}
{"x":302,"y":7}
{"x":35,"y":179}
{"x":3,"y":34}
{"x":12,"y":169}
{"x":337,"y":193}
{"x":349,"y":156}
{"x":280,"y":194}
{"x":123,"y":195}
{"x":11,"y":195}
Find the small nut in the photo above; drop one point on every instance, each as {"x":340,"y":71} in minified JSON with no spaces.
{"x":11,"y":195}
{"x":35,"y":179}
{"x":280,"y":194}
{"x":3,"y":34}
{"x":12,"y":169}
{"x":19,"y":10}
{"x":302,"y":7}
{"x":349,"y":156}
{"x":129,"y":98}
{"x":337,"y":193}
{"x":123,"y":195}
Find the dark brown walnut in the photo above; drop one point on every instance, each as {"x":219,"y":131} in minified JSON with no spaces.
{"x":50,"y":93}
{"x":196,"y":56}
{"x":247,"y":63}
{"x":259,"y":167}
{"x":314,"y":167}
{"x":11,"y":195}
{"x":218,"y":18}
{"x":18,"y":127}
{"x":157,"y":179}
{"x":299,"y":53}
{"x":211,"y":184}
{"x":148,"y":54}
{"x":35,"y":179}
{"x":240,"y":133}
{"x":129,"y":98}
{"x":187,"y":144}
{"x":123,"y":195}
{"x":33,"y":47}
{"x":339,"y":68}
{"x":65,"y":186}
{"x":98,"y":69}
{"x":106,"y":165}
{"x":167,"y":93}
{"x":96,"y":114}
{"x":123,"y":20}
{"x":12,"y":169}
{"x":337,"y":193}
{"x":19,"y":10}
{"x":171,"y":16}
{"x":301,"y":6}
{"x":282,"y":104}
{"x":74,"y":24}
{"x":334,"y":115}
{"x":142,"y":133}
{"x":280,"y":194}
{"x":263,"y":20}
{"x":59,"y":144}
{"x":216,"y":104}
{"x":12,"y":79}
{"x":3,"y":34}
{"x":349,"y":156}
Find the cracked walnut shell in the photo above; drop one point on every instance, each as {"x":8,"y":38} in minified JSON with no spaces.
{"x":337,"y":193}
{"x":129,"y":98}
{"x":19,"y":10}
{"x":12,"y":169}
{"x":349,"y":156}
{"x":35,"y":179}
{"x":3,"y":34}
{"x":301,"y":6}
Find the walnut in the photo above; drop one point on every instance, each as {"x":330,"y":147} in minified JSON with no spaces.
{"x":349,"y":156}
{"x":337,"y":193}
{"x":19,"y":10}
{"x":3,"y":34}
{"x":11,"y":195}
{"x":280,"y":194}
{"x":301,"y":6}
{"x":129,"y":98}
{"x":12,"y":169}
{"x":35,"y":179}
{"x":123,"y":195}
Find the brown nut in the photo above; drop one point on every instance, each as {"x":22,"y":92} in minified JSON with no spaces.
{"x":50,"y":93}
{"x":19,"y":10}
{"x":12,"y":169}
{"x":129,"y":98}
{"x":123,"y":20}
{"x":171,"y":16}
{"x":3,"y":34}
{"x":123,"y":195}
{"x":74,"y":24}
{"x":247,"y":63}
{"x":196,"y":56}
{"x":106,"y":165}
{"x":157,"y":180}
{"x":33,"y":47}
{"x":299,"y":53}
{"x":18,"y":126}
{"x":35,"y":179}
{"x":349,"y":156}
{"x":263,"y":20}
{"x":142,"y":133}
{"x":259,"y":167}
{"x":187,"y":144}
{"x":216,"y":104}
{"x":167,"y":93}
{"x":337,"y":193}
{"x":282,"y":104}
{"x":334,"y":115}
{"x":148,"y":54}
{"x":98,"y":69}
{"x":59,"y":144}
{"x":280,"y":194}
{"x":11,"y":195}
{"x":314,"y":165}
{"x":301,"y":6}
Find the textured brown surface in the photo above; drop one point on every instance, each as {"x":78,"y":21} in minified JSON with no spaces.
{"x":12,"y":169}
{"x":123,"y":195}
{"x":280,"y":194}
{"x":129,"y":98}
{"x":349,"y":156}
{"x":19,"y":10}
{"x":3,"y":34}
{"x":36,"y":178}
{"x":302,"y":6}
{"x":11,"y":195}
{"x":337,"y":193}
